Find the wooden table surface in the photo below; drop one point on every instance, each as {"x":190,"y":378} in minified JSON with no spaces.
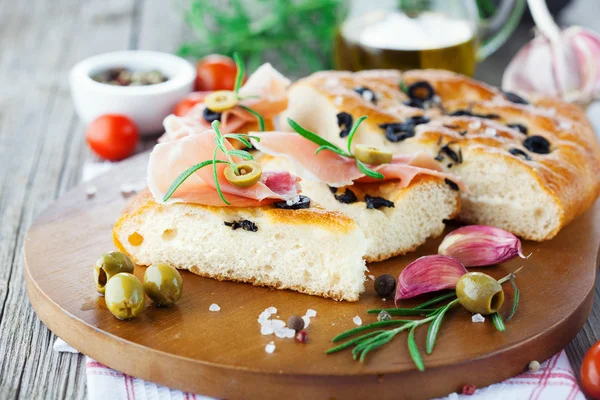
{"x":43,"y":151}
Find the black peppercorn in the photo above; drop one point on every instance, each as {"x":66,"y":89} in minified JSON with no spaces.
{"x":296,"y":323}
{"x":537,"y":144}
{"x":385,"y":285}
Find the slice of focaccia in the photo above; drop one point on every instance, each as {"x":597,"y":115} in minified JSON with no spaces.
{"x":530,"y":165}
{"x":309,"y":250}
{"x":403,"y":222}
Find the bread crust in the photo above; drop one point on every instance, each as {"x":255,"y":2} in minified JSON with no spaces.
{"x":569,"y":174}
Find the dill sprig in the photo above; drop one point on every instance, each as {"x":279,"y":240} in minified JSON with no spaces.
{"x":220,"y":142}
{"x":370,"y":341}
{"x":327,"y":145}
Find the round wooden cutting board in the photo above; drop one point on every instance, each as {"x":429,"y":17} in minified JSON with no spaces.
{"x":222,"y":354}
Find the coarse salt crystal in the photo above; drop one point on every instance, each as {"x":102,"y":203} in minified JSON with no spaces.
{"x":277,"y":323}
{"x":270,"y":347}
{"x":285,"y":333}
{"x":338,"y":101}
{"x":475,"y":125}
{"x":357,"y":320}
{"x":271,"y":310}
{"x":266,"y":330}
{"x":477,"y":318}
{"x":371,"y":277}
{"x":90,"y":191}
{"x":306,"y":321}
{"x":214,"y":307}
{"x":310,"y":313}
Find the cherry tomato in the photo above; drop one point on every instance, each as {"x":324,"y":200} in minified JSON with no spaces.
{"x":112,"y":136}
{"x":215,"y":72}
{"x":590,"y":372}
{"x":188,"y":103}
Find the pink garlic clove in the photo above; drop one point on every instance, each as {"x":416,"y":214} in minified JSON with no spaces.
{"x":558,"y":63}
{"x":428,"y":274}
{"x":480,"y":245}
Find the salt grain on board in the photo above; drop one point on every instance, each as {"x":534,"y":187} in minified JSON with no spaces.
{"x":357,"y":320}
{"x":477,"y":318}
{"x":270,"y":348}
{"x":214,"y":307}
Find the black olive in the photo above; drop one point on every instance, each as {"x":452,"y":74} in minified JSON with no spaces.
{"x":487,"y":116}
{"x":463,"y":133}
{"x":210,"y":115}
{"x":519,"y":153}
{"x":347,"y":197}
{"x":296,"y":323}
{"x":303,"y":202}
{"x":439,"y":157}
{"x":452,"y":185}
{"x":515,"y":98}
{"x":417,"y":120}
{"x":345,"y":122}
{"x":421,"y":90}
{"x":377,"y":202}
{"x":461,"y":113}
{"x":519,"y":127}
{"x":537,"y":144}
{"x":385,"y":285}
{"x":416,"y":103}
{"x":369,"y":93}
{"x":397,"y":132}
{"x":243,"y":224}
{"x":333,"y":189}
{"x":450,"y":153}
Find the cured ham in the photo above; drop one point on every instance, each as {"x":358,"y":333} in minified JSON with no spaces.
{"x":168,"y":160}
{"x":264,"y":92}
{"x":338,"y":171}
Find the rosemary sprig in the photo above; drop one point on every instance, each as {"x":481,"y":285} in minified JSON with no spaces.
{"x":327,"y":145}
{"x":498,"y":323}
{"x":220,"y":141}
{"x":239,"y":77}
{"x":515,"y":298}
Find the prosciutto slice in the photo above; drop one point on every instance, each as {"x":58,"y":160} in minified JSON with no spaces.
{"x":168,"y":160}
{"x":336,"y":170}
{"x":264,"y":92}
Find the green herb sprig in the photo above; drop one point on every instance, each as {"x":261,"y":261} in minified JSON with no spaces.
{"x":220,"y":146}
{"x":239,"y":77}
{"x":327,"y":145}
{"x":370,"y":341}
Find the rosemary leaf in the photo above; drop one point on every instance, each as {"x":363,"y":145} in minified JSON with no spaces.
{"x":216,"y":177}
{"x":186,"y":174}
{"x":375,"y":345}
{"x":515,"y":298}
{"x":241,"y":154}
{"x":403,"y":311}
{"x":403,"y":86}
{"x":414,"y":350}
{"x":435,"y":327}
{"x":313,"y":137}
{"x":498,"y":323}
{"x":239,"y":75}
{"x":334,"y":149}
{"x":353,"y":341}
{"x":261,"y":120}
{"x":365,"y":343}
{"x":369,"y":326}
{"x":435,"y":300}
{"x":367,"y":171}
{"x":353,"y":132}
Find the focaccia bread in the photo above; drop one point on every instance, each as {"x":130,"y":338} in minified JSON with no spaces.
{"x":415,"y":214}
{"x":530,"y":166}
{"x":310,"y":250}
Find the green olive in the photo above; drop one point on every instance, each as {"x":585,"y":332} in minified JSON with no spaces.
{"x":108,"y":265}
{"x":221,"y":100}
{"x":372,"y":155}
{"x":479,"y":293}
{"x":124,"y":296}
{"x":163,"y":284}
{"x":249,"y":172}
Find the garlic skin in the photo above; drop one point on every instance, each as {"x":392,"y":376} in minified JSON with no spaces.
{"x":428,"y":274}
{"x":558,"y":63}
{"x":480,"y":245}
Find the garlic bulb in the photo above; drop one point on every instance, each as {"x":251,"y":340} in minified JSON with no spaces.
{"x":559,"y":63}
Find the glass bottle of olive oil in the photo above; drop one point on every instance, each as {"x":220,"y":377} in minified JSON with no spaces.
{"x":395,"y":39}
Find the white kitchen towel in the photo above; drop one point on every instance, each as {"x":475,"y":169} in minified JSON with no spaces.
{"x":554,"y":380}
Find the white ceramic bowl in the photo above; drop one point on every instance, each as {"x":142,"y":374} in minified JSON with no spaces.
{"x":146,"y":105}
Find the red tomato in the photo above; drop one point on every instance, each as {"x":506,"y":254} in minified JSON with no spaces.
{"x":188,"y":103}
{"x":590,"y":372}
{"x":215,"y":72}
{"x":112,"y":136}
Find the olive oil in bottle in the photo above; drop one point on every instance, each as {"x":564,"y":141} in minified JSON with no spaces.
{"x":394,"y":40}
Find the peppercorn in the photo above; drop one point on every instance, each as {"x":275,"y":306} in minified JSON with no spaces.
{"x":534,"y":366}
{"x":385,"y":285}
{"x":469,"y":389}
{"x":296,"y":323}
{"x":302,"y":337}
